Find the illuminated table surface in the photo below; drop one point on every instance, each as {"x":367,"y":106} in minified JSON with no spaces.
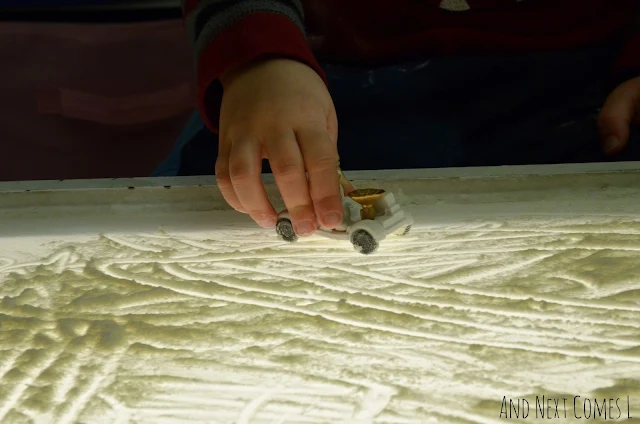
{"x":150,"y":301}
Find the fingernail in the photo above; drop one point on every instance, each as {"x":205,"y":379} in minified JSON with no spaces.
{"x":611,"y":143}
{"x":332,"y":219}
{"x":304,"y":228}
{"x":265,"y":220}
{"x":267,"y":223}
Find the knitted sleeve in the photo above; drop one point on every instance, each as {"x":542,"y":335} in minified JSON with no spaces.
{"x":229,"y":34}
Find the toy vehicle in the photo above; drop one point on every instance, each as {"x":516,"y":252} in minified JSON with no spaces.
{"x":369,"y":216}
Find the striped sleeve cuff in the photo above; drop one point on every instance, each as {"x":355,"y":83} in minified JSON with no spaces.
{"x":229,"y":34}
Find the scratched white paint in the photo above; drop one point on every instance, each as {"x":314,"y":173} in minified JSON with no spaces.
{"x":237,"y":327}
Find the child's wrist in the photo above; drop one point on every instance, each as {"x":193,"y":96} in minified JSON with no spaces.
{"x":229,"y":76}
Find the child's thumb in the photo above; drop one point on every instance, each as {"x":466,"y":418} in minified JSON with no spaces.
{"x":617,"y":114}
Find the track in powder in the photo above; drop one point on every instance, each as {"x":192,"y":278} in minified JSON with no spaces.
{"x":237,"y":327}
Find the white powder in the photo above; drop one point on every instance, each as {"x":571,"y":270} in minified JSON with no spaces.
{"x":238,"y":327}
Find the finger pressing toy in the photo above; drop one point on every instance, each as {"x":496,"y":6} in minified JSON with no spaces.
{"x":369,"y":216}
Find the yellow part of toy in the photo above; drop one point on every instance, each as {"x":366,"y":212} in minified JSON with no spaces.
{"x":367,"y":197}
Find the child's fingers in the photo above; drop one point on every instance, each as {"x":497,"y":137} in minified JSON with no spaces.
{"x":289,"y":171}
{"x":321,"y":162}
{"x":245,"y":168}
{"x":617,"y":114}
{"x":223,"y":178}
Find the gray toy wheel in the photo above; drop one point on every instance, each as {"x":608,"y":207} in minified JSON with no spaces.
{"x":284,"y":228}
{"x":406,"y":230}
{"x":364,"y":242}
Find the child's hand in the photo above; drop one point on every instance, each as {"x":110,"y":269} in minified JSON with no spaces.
{"x":280,"y":110}
{"x":621,"y":109}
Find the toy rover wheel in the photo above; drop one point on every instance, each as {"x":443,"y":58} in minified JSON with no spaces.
{"x":284,"y":228}
{"x":364,"y":242}
{"x":403,"y":231}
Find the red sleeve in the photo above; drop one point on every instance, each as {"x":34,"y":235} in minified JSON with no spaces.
{"x":628,"y":64}
{"x":254,"y":37}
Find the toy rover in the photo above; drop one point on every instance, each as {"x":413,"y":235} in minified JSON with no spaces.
{"x":369,"y":216}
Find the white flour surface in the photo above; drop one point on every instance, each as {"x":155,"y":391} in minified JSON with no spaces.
{"x":196,"y":316}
